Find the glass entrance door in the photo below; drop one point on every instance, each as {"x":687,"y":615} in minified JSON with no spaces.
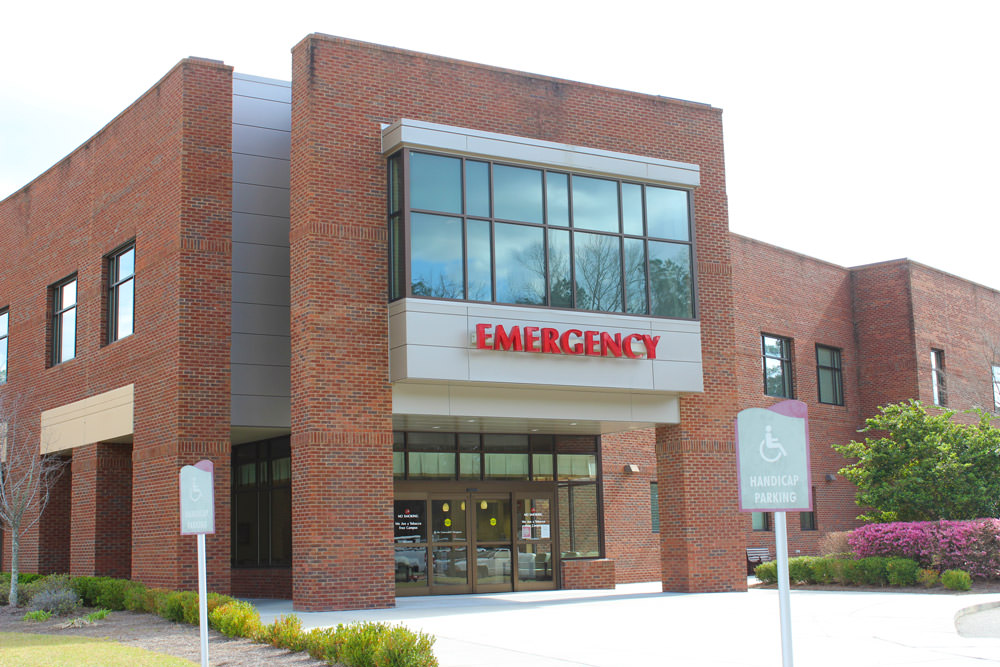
{"x":450,"y":544}
{"x":492,"y":524}
{"x":534,"y":536}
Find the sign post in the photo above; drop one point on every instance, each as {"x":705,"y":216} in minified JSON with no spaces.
{"x":198,"y":518}
{"x":772,"y":464}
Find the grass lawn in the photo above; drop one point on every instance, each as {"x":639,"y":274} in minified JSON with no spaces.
{"x":18,"y":648}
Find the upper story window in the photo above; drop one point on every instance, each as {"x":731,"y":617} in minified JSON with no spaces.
{"x":938,"y":391}
{"x":828,"y":375}
{"x":996,"y":388}
{"x":121,"y":293}
{"x":4,"y":323}
{"x":64,"y":320}
{"x":777,"y":360}
{"x":479,"y":230}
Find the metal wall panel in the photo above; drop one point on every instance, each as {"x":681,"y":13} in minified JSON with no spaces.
{"x":260,"y":351}
{"x":258,"y":288}
{"x":268,"y":260}
{"x":254,"y":228}
{"x":261,"y":170}
{"x":261,"y":141}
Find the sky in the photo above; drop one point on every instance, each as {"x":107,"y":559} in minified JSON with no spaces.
{"x":855,"y":132}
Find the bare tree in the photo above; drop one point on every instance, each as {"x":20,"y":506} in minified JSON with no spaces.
{"x":26,"y":477}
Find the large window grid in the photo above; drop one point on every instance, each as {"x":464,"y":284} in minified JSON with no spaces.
{"x":121,"y":293}
{"x":64,"y":320}
{"x":829,"y":375}
{"x":472,"y":456}
{"x":477,"y":230}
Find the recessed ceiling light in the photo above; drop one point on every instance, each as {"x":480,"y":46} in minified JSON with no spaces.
{"x":471,"y":421}
{"x":534,"y":430}
{"x":435,"y":427}
{"x":572,"y":423}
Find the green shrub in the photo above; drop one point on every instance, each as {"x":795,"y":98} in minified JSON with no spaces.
{"x":37,"y":615}
{"x":323,"y":643}
{"x":237,"y":619}
{"x":871,"y":571}
{"x":825,"y":570}
{"x":928,"y":577}
{"x":175,"y":604}
{"x":134,"y":597}
{"x":112,"y":593}
{"x":88,"y":589}
{"x":191,"y":606}
{"x":401,"y":647}
{"x":767,"y":573}
{"x":956,"y":580}
{"x":285,"y":632}
{"x":901,"y":571}
{"x":800,"y":570}
{"x":360,"y":642}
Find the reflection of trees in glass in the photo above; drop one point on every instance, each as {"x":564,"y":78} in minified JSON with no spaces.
{"x":527,"y":284}
{"x":561,"y":290}
{"x":598,"y":272}
{"x":635,"y":276}
{"x":774,"y":378}
{"x":670,"y":288}
{"x":439,"y":286}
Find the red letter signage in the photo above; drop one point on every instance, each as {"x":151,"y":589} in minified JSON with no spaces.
{"x":548,"y":340}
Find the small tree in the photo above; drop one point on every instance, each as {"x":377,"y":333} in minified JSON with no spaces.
{"x":26,"y":478}
{"x":925,"y":467}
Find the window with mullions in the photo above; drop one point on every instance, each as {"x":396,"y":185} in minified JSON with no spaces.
{"x":490,"y":456}
{"x":939,"y":393}
{"x":262,"y":504}
{"x":121,"y":293}
{"x":4,"y":322}
{"x":64,"y":321}
{"x":777,"y":354}
{"x":829,"y":376}
{"x":486,"y":231}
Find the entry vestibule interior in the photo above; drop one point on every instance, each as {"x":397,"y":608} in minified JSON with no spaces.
{"x":492,"y":512}
{"x":474,"y":542}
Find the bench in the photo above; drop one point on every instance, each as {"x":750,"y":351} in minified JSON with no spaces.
{"x":756,"y":556}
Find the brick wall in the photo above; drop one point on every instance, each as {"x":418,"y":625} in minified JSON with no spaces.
{"x":159,"y":173}
{"x":809,"y":301}
{"x":585,"y":574}
{"x":962,"y":319}
{"x":628,"y":537}
{"x":271,"y":582}
{"x":342,"y":90}
{"x":101,"y":531}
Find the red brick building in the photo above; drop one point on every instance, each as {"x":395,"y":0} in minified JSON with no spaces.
{"x":441,"y":327}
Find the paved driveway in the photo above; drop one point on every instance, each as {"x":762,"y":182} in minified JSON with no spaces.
{"x":637,"y":625}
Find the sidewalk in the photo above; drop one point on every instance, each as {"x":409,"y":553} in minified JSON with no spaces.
{"x":636,"y":624}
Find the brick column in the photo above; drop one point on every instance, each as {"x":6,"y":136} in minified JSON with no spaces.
{"x":701,"y":532}
{"x":53,"y":529}
{"x":101,"y":530}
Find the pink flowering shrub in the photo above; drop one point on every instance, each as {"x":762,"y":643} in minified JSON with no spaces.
{"x":973,"y":546}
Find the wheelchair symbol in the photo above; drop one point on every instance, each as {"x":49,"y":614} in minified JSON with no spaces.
{"x":770,"y":449}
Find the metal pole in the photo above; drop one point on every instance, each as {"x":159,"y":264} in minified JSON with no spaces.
{"x":781,"y":546}
{"x":203,"y":599}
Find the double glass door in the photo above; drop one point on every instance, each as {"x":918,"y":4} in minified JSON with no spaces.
{"x":474,"y":542}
